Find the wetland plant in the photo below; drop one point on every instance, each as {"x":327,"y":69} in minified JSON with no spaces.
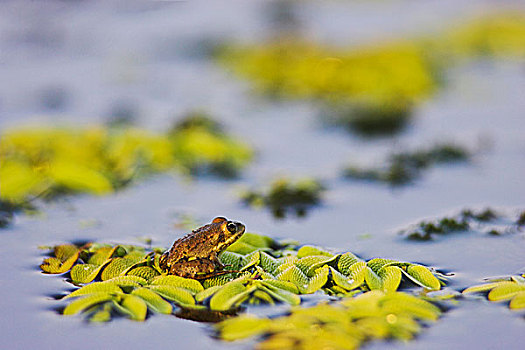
{"x":503,"y":289}
{"x":285,"y":196}
{"x":404,"y":168}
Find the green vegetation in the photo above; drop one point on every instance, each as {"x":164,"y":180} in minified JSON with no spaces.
{"x":404,"y":168}
{"x":284,"y":196}
{"x":48,"y":162}
{"x":511,"y":288}
{"x":342,"y":325}
{"x":127,"y":279}
{"x":467,"y":220}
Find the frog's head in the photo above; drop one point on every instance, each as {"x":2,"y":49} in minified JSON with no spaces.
{"x":230,"y":231}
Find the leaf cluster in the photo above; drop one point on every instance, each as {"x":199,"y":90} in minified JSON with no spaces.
{"x":511,"y":288}
{"x":404,"y":168}
{"x":466,"y":220}
{"x":49,"y":162}
{"x":285,"y":196}
{"x":342,"y":325}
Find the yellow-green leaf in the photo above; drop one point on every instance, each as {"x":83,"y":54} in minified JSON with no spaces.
{"x":176,"y":281}
{"x":518,"y":302}
{"x":153,"y":300}
{"x":145,"y":272}
{"x":346,"y":261}
{"x":96,"y":288}
{"x":281,"y":294}
{"x":134,"y":306}
{"x":308,"y":250}
{"x":422,"y":276}
{"x":85,"y":302}
{"x":206,"y":293}
{"x":505,"y":291}
{"x":242,"y":327}
{"x":179,"y":295}
{"x":318,"y":280}
{"x":390,"y":278}
{"x":228,"y":296}
{"x":250,"y":260}
{"x":372,"y":279}
{"x":66,"y":256}
{"x":85,"y":273}
{"x":343,"y":281}
{"x":296,"y":276}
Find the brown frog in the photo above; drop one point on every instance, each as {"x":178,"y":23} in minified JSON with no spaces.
{"x":196,"y":254}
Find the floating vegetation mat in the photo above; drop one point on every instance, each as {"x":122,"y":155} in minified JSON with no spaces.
{"x":48,"y":162}
{"x":127,"y":279}
{"x":503,"y":289}
{"x":372,"y":89}
{"x":486,"y":221}
{"x":285,"y":196}
{"x":405,"y":168}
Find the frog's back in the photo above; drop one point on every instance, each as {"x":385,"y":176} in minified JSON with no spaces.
{"x":196,"y":244}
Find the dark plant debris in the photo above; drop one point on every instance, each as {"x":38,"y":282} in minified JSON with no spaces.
{"x":467,"y":220}
{"x":405,"y":168}
{"x":285,"y":196}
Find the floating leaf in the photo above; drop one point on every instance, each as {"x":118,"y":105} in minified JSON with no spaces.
{"x":343,"y":281}
{"x":228,"y":296}
{"x":372,"y":279}
{"x":179,"y":295}
{"x":263,"y":274}
{"x":206,"y":293}
{"x":153,"y":300}
{"x":422,"y":276}
{"x":232,"y":259}
{"x":481,"y":287}
{"x":346,"y":261}
{"x":128,"y":281}
{"x":268,"y":262}
{"x":101,"y":255}
{"x":308,"y":250}
{"x":242,"y":327}
{"x":145,"y":272}
{"x":85,"y":302}
{"x":119,"y":265}
{"x":377,"y":264}
{"x":96,"y":288}
{"x":190,"y":284}
{"x":390,"y":278}
{"x":317,"y":281}
{"x":296,"y":276}
{"x":281,"y":294}
{"x":505,"y":291}
{"x":289,"y":286}
{"x":404,"y":303}
{"x":85,"y":273}
{"x":66,"y":256}
{"x":250,"y":260}
{"x":518,"y":302}
{"x":133,"y":306}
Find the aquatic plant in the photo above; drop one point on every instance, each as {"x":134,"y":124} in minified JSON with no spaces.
{"x":48,"y":162}
{"x":406,"y":167}
{"x":342,"y":325}
{"x":370,"y":88}
{"x":128,"y":279}
{"x":284,"y":196}
{"x":467,"y":220}
{"x":503,"y":289}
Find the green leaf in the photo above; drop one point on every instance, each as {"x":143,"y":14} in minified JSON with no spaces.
{"x":190,"y":284}
{"x":481,"y":287}
{"x":101,"y":255}
{"x":343,"y":281}
{"x":256,"y":240}
{"x":378,"y":263}
{"x":134,"y":307}
{"x":118,"y":266}
{"x":372,"y":279}
{"x":206,"y":293}
{"x":85,"y":302}
{"x":310,"y":263}
{"x":229,"y":296}
{"x":145,"y":272}
{"x":263,"y":274}
{"x":505,"y":291}
{"x":317,"y":281}
{"x":289,"y":286}
{"x":65,"y":256}
{"x":518,"y":302}
{"x":128,"y":281}
{"x":250,"y":260}
{"x":281,"y":294}
{"x":390,"y":278}
{"x":232,"y":259}
{"x":85,"y":273}
{"x":96,"y":288}
{"x":268,"y":262}
{"x":308,"y":250}
{"x":179,"y":295}
{"x":346,"y":261}
{"x":422,"y":276}
{"x":242,"y":327}
{"x":400,"y":303}
{"x":153,"y":300}
{"x":296,"y":276}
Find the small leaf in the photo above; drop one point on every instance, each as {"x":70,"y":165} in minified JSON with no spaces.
{"x":153,"y":300}
{"x":296,"y":276}
{"x":232,"y":259}
{"x":66,"y":256}
{"x":317,"y":281}
{"x":289,"y":286}
{"x":346,"y":261}
{"x":145,"y":272}
{"x":481,"y":287}
{"x":101,"y":255}
{"x":378,"y":263}
{"x":85,"y":273}
{"x":117,"y":266}
{"x":190,"y":284}
{"x":179,"y":295}
{"x":400,"y":303}
{"x":390,"y":278}
{"x":134,"y":306}
{"x":228,"y":296}
{"x":343,"y":281}
{"x":518,"y":302}
{"x":83,"y":303}
{"x":242,"y":327}
{"x":263,"y":274}
{"x":505,"y":291}
{"x":268,"y":262}
{"x":250,"y":260}
{"x":372,"y":279}
{"x":96,"y":288}
{"x":281,"y":294}
{"x":422,"y":276}
{"x":206,"y":293}
{"x":128,"y":281}
{"x":308,"y":250}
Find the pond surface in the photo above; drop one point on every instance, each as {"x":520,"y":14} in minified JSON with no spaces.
{"x":148,"y":58}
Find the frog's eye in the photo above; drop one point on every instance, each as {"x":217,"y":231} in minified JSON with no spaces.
{"x":231,"y":227}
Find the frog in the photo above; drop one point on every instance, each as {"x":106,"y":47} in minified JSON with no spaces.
{"x":196,"y":255}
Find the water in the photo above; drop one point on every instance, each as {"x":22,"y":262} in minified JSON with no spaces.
{"x":89,"y":58}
